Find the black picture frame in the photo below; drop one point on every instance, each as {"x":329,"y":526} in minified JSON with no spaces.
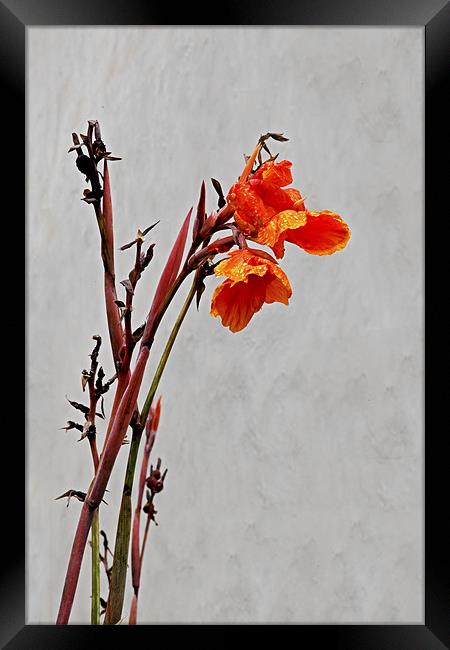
{"x":434,"y":16}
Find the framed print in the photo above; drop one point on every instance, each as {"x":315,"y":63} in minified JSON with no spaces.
{"x":306,"y":481}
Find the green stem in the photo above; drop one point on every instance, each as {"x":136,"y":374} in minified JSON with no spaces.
{"x":122,"y":543}
{"x":95,"y":604}
{"x":167,"y":350}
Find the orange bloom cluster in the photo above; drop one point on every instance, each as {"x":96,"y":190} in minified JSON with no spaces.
{"x":253,"y":278}
{"x":269,"y":213}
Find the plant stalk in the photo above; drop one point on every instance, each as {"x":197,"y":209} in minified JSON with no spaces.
{"x":119,"y":569}
{"x":95,"y":604}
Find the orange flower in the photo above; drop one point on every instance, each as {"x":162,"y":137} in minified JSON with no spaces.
{"x":269,"y":213}
{"x":253,"y":278}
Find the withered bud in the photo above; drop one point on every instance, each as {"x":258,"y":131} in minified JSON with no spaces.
{"x":89,"y":197}
{"x":137,"y":334}
{"x":80,"y":407}
{"x":152,"y":484}
{"x":150,"y":510}
{"x":201,"y":286}
{"x":99,"y":149}
{"x":72,"y":425}
{"x":129,"y":245}
{"x":155,"y":482}
{"x":128,"y":286}
{"x":217,"y":186}
{"x":102,"y":388}
{"x":81,"y":496}
{"x":275,"y":136}
{"x":147,"y":230}
{"x":85,"y":376}
{"x":139,"y":237}
{"x":89,"y":431}
{"x":147,"y":257}
{"x":85,"y":165}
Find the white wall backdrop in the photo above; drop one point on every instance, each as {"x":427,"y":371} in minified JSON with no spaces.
{"x":294,"y":448}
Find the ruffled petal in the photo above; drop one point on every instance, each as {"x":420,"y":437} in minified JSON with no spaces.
{"x":278,"y":289}
{"x":322,"y":234}
{"x":240,"y":264}
{"x":276,"y":173}
{"x":236,"y":303}
{"x":271,"y":195}
{"x":277,"y":230}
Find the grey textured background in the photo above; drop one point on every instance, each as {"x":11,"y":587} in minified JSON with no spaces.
{"x":295,"y":448}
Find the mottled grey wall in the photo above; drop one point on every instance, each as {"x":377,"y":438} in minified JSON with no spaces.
{"x":295,"y":448}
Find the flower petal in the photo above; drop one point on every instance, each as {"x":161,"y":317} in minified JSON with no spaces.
{"x":240,"y":264}
{"x":272,"y":195}
{"x":323,"y":233}
{"x":276,"y":173}
{"x":253,"y":278}
{"x":250,"y":211}
{"x":279,"y":228}
{"x":278,"y":289}
{"x":236,"y":303}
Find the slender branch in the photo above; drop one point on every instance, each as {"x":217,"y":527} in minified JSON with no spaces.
{"x":133,"y":278}
{"x":104,"y":557}
{"x":144,"y":541}
{"x":93,"y":399}
{"x":91,"y":434}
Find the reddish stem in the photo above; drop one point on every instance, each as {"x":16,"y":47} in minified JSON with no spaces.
{"x":105,"y":224}
{"x":135,"y":555}
{"x":76,"y":557}
{"x":112,"y":315}
{"x":144,"y":541}
{"x":133,"y":611}
{"x":93,"y":403}
{"x":137,"y":578}
{"x":94,"y":453}
{"x":124,"y":371}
